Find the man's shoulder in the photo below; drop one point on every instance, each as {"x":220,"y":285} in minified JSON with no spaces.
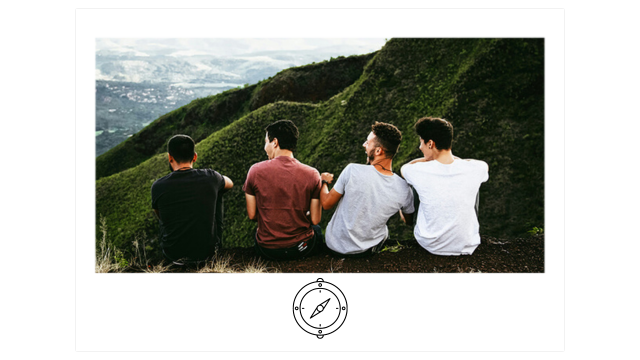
{"x":476,"y":164}
{"x":354,"y":168}
{"x":207,"y":172}
{"x":300,"y":166}
{"x":161,"y":180}
{"x":357,"y":166}
{"x":261,"y":164}
{"x":308,"y":168}
{"x":193,"y":174}
{"x":421,"y":165}
{"x":364,"y":171}
{"x":479,"y":163}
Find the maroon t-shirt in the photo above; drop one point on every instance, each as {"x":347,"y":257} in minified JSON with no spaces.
{"x":283,"y":188}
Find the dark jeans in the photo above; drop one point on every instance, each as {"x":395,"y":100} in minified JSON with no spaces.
{"x":300,"y":250}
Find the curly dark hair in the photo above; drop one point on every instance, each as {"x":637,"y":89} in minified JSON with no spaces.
{"x":436,"y":129}
{"x":286,"y":132}
{"x":388,"y":137}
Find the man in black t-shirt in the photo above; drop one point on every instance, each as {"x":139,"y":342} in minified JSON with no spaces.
{"x":188,"y":203}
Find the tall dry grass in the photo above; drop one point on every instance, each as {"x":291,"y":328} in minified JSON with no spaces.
{"x":110,"y":260}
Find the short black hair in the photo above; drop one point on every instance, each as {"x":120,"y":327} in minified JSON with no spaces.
{"x":388,"y":137}
{"x":436,"y":129}
{"x":286,"y":132}
{"x":181,"y":148}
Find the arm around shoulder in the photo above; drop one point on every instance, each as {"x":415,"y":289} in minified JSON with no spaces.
{"x":405,"y":168}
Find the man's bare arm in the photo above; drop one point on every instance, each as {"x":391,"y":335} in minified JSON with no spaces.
{"x":406,"y":218}
{"x":228,"y":184}
{"x":251,"y":206}
{"x":316,"y":211}
{"x":328,"y":198}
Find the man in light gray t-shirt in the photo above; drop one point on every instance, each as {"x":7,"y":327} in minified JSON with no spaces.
{"x":367,"y":196}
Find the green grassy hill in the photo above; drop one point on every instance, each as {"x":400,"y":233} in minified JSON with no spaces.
{"x":202,"y":117}
{"x":492,"y":90}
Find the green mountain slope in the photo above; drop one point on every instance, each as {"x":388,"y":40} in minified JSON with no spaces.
{"x":202,"y":117}
{"x":492,"y":90}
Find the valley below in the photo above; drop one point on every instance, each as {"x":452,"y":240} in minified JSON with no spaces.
{"x":124,"y":108}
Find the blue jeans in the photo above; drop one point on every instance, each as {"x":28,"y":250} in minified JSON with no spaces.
{"x":300,"y":250}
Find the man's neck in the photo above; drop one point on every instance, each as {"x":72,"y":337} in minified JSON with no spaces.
{"x":382,"y":164}
{"x":444,"y":156}
{"x":282,"y":152}
{"x":183,"y":166}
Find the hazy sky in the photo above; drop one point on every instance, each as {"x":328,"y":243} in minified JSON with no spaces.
{"x":229,"y":47}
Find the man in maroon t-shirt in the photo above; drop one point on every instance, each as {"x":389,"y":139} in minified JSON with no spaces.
{"x":283,"y":196}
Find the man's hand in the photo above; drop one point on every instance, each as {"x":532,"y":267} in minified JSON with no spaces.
{"x":328,"y":199}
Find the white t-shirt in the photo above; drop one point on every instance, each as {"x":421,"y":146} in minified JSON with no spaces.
{"x":447,"y":223}
{"x":369,"y":199}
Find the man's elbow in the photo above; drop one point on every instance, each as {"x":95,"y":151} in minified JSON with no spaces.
{"x":228,"y":184}
{"x":326,"y":204}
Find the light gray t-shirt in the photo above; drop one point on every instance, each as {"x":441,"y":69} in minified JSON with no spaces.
{"x":369,"y":199}
{"x":447,"y":223}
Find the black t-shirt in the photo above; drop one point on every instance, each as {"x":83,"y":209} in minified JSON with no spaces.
{"x":190,"y":206}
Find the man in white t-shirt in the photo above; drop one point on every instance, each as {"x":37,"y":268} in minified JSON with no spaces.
{"x":447,"y":186}
{"x":366,"y":196}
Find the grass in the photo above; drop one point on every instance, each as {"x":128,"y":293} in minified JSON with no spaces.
{"x":491,"y":89}
{"x":393,"y":248}
{"x":109,"y":260}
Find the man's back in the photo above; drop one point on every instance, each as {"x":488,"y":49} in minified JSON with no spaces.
{"x":447,"y":223}
{"x":189,"y":203}
{"x":369,"y":200}
{"x":283,"y":188}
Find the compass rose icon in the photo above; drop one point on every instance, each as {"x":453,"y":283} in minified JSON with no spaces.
{"x":320,"y":308}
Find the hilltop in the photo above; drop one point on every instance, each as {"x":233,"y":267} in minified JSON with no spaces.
{"x":492,"y":90}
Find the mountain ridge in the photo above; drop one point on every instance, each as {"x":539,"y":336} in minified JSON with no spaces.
{"x":492,"y":90}
{"x":206,"y":115}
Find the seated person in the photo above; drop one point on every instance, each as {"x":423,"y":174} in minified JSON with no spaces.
{"x":367,"y":196}
{"x":447,"y":187}
{"x":282,"y":195}
{"x":188,"y":203}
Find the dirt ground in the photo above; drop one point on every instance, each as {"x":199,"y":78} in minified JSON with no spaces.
{"x":494,"y":255}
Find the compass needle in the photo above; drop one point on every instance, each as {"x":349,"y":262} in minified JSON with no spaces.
{"x":320,"y":308}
